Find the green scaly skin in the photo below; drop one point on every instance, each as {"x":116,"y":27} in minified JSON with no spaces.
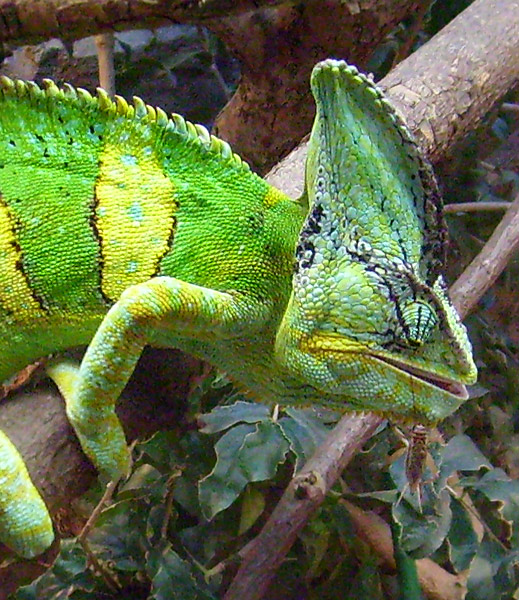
{"x":120,"y":228}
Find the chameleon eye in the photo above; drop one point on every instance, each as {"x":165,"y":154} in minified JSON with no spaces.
{"x":418,"y":321}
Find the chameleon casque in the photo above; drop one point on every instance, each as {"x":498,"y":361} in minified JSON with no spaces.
{"x":121,"y":227}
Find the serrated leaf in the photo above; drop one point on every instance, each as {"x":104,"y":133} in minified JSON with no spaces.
{"x":172,"y":578}
{"x":462,"y":541}
{"x":301,"y":443}
{"x":223,"y":417}
{"x":69,"y":572}
{"x":460,"y":454}
{"x":311,"y":421}
{"x":497,"y":486}
{"x":305,"y":432}
{"x":246,"y":453}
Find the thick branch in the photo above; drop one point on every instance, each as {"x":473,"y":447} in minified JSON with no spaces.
{"x":31,"y":21}
{"x":258,"y":567}
{"x":447,"y":86}
{"x":272,"y":109}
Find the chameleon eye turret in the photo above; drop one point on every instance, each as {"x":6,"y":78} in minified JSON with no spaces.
{"x":418,"y":321}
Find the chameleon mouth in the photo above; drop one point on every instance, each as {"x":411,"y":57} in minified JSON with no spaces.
{"x":454,"y":388}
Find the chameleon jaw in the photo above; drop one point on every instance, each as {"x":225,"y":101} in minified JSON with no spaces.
{"x":449,"y":386}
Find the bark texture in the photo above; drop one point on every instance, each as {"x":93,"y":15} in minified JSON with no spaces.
{"x":272,"y":108}
{"x":31,"y":21}
{"x":445,"y":88}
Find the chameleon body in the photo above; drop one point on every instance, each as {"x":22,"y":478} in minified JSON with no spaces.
{"x":121,"y":227}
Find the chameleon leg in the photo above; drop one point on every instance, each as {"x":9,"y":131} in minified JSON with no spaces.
{"x":25,"y":524}
{"x":161,"y":304}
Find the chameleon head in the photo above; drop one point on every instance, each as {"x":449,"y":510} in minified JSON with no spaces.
{"x":369,"y":325}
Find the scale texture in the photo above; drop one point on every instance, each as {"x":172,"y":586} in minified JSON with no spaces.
{"x":121,"y":227}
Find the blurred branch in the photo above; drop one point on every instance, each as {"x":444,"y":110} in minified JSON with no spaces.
{"x":105,"y":59}
{"x":477,"y":207}
{"x":27,"y":21}
{"x":489,"y":263}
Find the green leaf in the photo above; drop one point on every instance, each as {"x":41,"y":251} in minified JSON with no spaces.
{"x":159,"y":451}
{"x":252,"y":507}
{"x":172,"y":577}
{"x":462,"y":541}
{"x":423,"y":533}
{"x":244,"y":454}
{"x":497,"y":486}
{"x":481,"y":584}
{"x":223,"y":417}
{"x":460,"y":454}
{"x":69,"y":572}
{"x":303,"y":433}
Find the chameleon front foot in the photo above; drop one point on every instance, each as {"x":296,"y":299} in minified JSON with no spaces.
{"x":99,"y":430}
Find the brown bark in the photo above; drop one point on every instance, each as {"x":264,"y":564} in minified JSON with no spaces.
{"x":447,"y":86}
{"x":31,"y":21}
{"x":272,"y":108}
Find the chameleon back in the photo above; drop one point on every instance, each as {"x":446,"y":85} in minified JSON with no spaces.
{"x":96,"y":196}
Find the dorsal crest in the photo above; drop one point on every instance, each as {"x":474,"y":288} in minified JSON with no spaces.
{"x":50,"y":96}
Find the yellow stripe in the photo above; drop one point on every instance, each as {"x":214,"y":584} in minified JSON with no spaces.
{"x":16,"y":295}
{"x":273,"y":197}
{"x":134,"y":217}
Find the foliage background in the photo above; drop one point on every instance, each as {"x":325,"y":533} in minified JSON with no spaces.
{"x":195,"y":498}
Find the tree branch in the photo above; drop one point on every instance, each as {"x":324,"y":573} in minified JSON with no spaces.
{"x":30,"y":21}
{"x":489,"y":263}
{"x":276,"y":45}
{"x":447,"y":86}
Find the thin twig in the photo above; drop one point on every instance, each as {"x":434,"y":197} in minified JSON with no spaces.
{"x":107,"y":577}
{"x":477,"y":207}
{"x":105,"y":59}
{"x":510,"y":107}
{"x":92,"y":519}
{"x":489,"y":263}
{"x":204,"y":38}
{"x":304,"y":494}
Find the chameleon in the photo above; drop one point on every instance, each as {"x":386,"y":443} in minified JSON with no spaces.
{"x":121,"y":227}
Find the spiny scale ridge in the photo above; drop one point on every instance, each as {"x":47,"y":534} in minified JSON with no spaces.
{"x":139,"y":110}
